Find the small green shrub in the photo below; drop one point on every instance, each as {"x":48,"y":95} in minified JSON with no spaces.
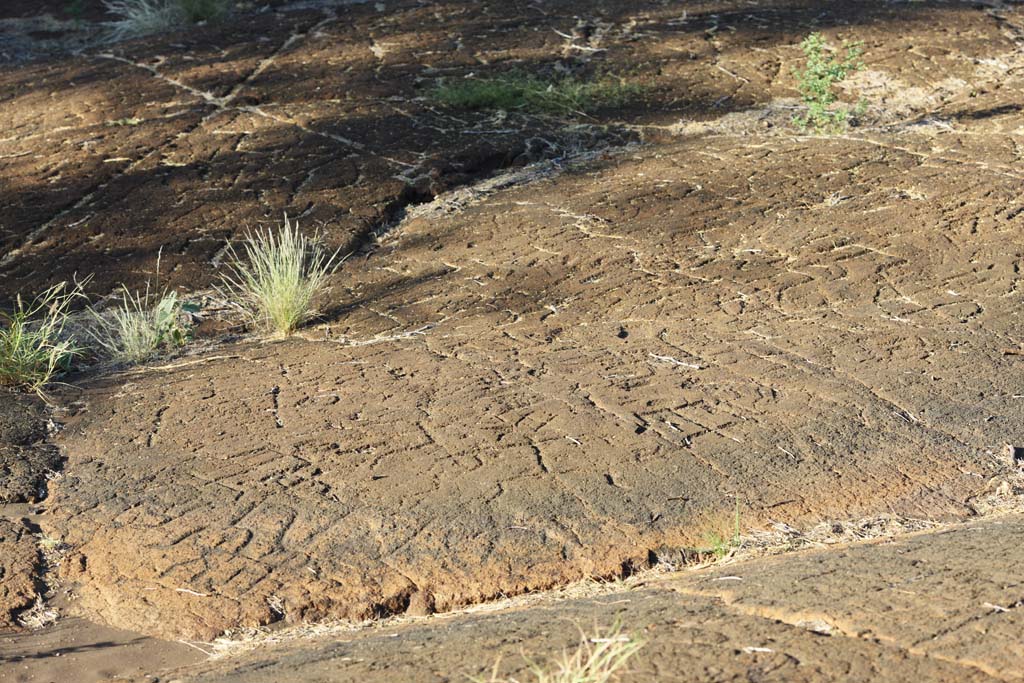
{"x":141,"y":326}
{"x":520,"y":91}
{"x":281,"y":274}
{"x":816,"y":84}
{"x":34,"y":347}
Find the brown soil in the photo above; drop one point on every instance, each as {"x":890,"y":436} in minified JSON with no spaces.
{"x":576,"y":368}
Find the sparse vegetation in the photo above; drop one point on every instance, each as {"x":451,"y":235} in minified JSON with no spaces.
{"x":281,"y":274}
{"x":519,"y":91}
{"x":597,"y":659}
{"x":143,"y":17}
{"x":140,"y":326}
{"x":34,"y":347}
{"x":49,"y":544}
{"x":816,"y":83}
{"x":39,"y":615}
{"x":718,"y":543}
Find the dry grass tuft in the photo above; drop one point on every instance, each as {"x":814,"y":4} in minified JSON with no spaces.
{"x":136,"y":18}
{"x":39,"y":615}
{"x":281,"y":274}
{"x":719,"y":541}
{"x":136,"y":330}
{"x":597,"y":659}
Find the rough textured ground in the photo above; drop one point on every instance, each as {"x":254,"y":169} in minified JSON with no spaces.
{"x":180,"y":142}
{"x":938,"y":606}
{"x":564,"y":379}
{"x":18,"y":563}
{"x":25,"y":459}
{"x":303,"y":111}
{"x":517,"y":388}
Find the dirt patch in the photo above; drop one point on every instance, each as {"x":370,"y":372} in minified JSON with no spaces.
{"x":22,"y":9}
{"x":24,"y":459}
{"x":76,"y":650}
{"x":22,"y":418}
{"x":18,"y":564}
{"x":23,"y":471}
{"x":860,"y":592}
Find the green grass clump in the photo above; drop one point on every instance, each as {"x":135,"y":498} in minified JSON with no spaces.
{"x":816,"y":83}
{"x":281,"y":273}
{"x":141,"y":326}
{"x":520,"y":91}
{"x":34,"y":347}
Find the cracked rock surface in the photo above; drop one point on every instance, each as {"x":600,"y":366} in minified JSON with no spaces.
{"x":24,"y":459}
{"x":935,"y":606}
{"x":563,"y":377}
{"x":516,"y":388}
